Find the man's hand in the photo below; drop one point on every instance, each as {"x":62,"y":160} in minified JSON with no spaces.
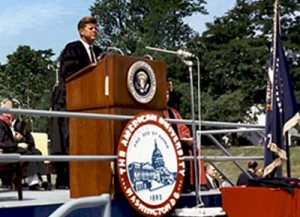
{"x":19,"y":137}
{"x":23,"y":145}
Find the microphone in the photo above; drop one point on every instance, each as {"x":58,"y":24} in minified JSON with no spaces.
{"x":180,"y":53}
{"x":101,"y":56}
{"x":187,"y":62}
{"x":148,"y":56}
{"x":184,"y":54}
{"x":115,"y":49}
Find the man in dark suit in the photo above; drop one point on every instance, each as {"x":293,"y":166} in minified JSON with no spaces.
{"x":211,"y":176}
{"x":75,"y":56}
{"x":14,"y":140}
{"x":244,"y":178}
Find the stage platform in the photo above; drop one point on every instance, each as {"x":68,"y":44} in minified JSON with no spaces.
{"x":43,"y":203}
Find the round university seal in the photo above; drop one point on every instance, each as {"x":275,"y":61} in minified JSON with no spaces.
{"x":150,"y":164}
{"x":141,"y":82}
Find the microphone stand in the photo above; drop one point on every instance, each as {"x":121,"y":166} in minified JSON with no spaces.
{"x":161,"y":50}
{"x":115,"y":49}
{"x":190,"y":64}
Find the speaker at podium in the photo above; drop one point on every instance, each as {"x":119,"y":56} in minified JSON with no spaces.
{"x":120,"y":85}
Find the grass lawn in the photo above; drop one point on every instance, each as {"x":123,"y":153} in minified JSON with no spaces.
{"x":233,"y":171}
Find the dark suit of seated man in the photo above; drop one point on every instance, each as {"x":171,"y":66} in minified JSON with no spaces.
{"x":243,"y":178}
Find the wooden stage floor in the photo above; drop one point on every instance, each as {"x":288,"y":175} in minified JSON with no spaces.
{"x":10,"y":198}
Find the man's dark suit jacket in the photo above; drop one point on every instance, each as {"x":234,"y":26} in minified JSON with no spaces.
{"x":209,"y":184}
{"x":73,"y":58}
{"x":244,"y":179}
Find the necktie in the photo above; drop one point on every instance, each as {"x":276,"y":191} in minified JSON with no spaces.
{"x":214,"y":183}
{"x":92,"y":55}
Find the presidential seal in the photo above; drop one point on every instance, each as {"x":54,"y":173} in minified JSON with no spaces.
{"x":141,"y":82}
{"x":150,"y":164}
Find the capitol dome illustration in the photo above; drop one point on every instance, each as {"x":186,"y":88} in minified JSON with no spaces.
{"x":157,"y":158}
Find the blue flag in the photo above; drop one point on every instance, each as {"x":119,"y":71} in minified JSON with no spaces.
{"x":281,"y":106}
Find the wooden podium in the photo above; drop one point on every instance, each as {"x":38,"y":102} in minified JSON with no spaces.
{"x":102,"y":88}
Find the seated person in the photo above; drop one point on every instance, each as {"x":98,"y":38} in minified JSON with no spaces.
{"x":20,"y":144}
{"x":186,"y":140}
{"x":35,"y":171}
{"x":211,"y":176}
{"x":223,"y":182}
{"x":243,"y":178}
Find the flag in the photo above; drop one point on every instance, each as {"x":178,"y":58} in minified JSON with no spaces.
{"x":281,"y":106}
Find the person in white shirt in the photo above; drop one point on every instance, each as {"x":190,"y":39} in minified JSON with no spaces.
{"x":223,"y":182}
{"x":211,"y":176}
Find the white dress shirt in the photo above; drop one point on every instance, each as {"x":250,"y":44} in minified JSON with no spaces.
{"x":87,"y":48}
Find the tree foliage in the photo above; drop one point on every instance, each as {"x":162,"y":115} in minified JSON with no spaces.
{"x":234,"y":52}
{"x":132,"y":25}
{"x":28,"y":77}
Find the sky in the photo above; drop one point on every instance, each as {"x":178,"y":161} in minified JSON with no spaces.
{"x":52,"y":24}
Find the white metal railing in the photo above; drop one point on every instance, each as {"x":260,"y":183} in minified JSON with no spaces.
{"x":93,"y":202}
{"x":44,"y":113}
{"x":205,"y":132}
{"x":60,"y":158}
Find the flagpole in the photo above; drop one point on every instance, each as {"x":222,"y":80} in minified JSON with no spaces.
{"x":287,"y":150}
{"x":275,"y":38}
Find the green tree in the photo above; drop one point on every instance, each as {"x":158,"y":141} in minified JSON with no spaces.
{"x":131,"y":25}
{"x":234,"y":52}
{"x":28,"y":77}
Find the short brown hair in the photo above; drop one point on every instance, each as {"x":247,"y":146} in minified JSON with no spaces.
{"x":86,"y":20}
